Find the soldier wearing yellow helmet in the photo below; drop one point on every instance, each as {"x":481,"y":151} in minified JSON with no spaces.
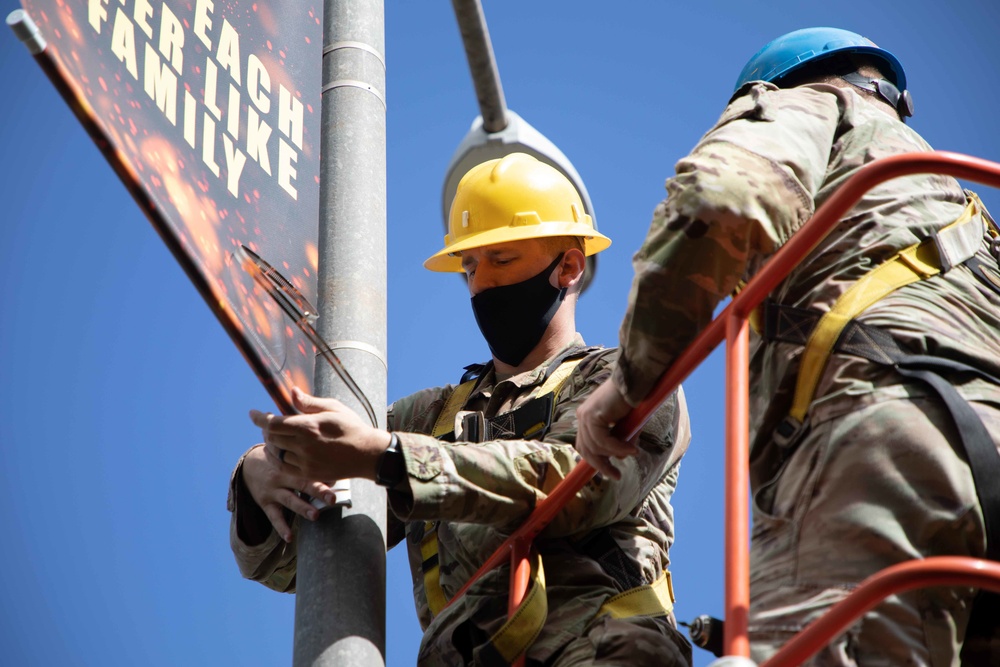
{"x":464,"y":464}
{"x":502,"y":210}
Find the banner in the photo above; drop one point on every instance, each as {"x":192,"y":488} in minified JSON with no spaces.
{"x":209,"y":112}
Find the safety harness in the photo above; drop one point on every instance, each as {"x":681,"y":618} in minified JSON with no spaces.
{"x":532,"y":420}
{"x":837,"y":330}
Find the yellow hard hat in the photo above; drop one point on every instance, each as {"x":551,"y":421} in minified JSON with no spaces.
{"x":513,"y":198}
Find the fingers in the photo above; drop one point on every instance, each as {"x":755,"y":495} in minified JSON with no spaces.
{"x":279,"y":437}
{"x":277,"y":518}
{"x":598,"y":438}
{"x":287,"y":481}
{"x":260,"y":419}
{"x":321,"y":491}
{"x":334,"y":417}
{"x":271,"y":424}
{"x":309,"y":404}
{"x":275,"y":455}
{"x":276,"y":515}
{"x":597,"y":447}
{"x":275,"y":486}
{"x":595,"y":439}
{"x":604,"y":466}
{"x":297,"y":504}
{"x":605,"y":444}
{"x":596,"y":418}
{"x":285,"y":460}
{"x":601,"y":459}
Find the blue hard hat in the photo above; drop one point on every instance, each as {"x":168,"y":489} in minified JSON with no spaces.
{"x":793,"y":50}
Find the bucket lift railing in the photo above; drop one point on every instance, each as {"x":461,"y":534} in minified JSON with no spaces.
{"x":935,"y":571}
{"x":732,"y":325}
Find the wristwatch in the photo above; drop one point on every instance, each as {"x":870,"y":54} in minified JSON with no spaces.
{"x":391,"y":466}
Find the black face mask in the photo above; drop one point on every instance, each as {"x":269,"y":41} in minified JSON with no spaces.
{"x":513,"y":318}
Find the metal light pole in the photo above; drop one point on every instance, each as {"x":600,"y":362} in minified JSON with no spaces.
{"x":340,"y":581}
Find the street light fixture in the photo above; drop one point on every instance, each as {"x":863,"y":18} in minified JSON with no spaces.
{"x":504,"y":132}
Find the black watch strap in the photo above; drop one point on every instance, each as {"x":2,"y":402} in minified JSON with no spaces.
{"x":391,"y":465}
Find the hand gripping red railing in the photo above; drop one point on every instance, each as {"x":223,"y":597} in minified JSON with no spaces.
{"x":732,"y":324}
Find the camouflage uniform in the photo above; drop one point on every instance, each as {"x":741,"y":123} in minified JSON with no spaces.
{"x":874,"y":478}
{"x":480,"y":492}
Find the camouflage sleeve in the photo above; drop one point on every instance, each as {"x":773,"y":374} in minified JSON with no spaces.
{"x":743,"y":191}
{"x":499,"y":482}
{"x":260,"y":553}
{"x":417,"y":412}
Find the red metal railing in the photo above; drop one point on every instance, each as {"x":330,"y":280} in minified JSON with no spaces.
{"x":936,"y":571}
{"x":732,"y":324}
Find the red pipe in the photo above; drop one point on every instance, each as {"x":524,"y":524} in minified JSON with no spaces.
{"x":936,"y":571}
{"x":520,"y":579}
{"x":736,"y":639}
{"x":520,"y":568}
{"x":776,"y":269}
{"x":544,"y":512}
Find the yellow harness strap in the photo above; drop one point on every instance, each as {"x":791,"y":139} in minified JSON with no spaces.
{"x":554,"y":383}
{"x":918,"y":262}
{"x":445,"y":422}
{"x":523,"y":626}
{"x":431,"y":567}
{"x":756,"y":323}
{"x":655,"y":599}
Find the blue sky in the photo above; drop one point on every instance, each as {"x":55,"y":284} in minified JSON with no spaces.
{"x":123,"y":404}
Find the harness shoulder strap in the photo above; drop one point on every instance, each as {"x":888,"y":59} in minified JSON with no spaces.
{"x":554,"y":383}
{"x":555,"y":377}
{"x":950,"y":246}
{"x":955,"y":244}
{"x":562,"y":366}
{"x":431,"y":565}
{"x":558,"y":374}
{"x":445,"y":422}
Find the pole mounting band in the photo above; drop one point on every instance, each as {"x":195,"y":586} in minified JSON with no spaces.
{"x":351,"y":83}
{"x":361,"y":46}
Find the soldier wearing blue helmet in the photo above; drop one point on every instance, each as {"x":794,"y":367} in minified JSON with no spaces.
{"x":882,"y":449}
